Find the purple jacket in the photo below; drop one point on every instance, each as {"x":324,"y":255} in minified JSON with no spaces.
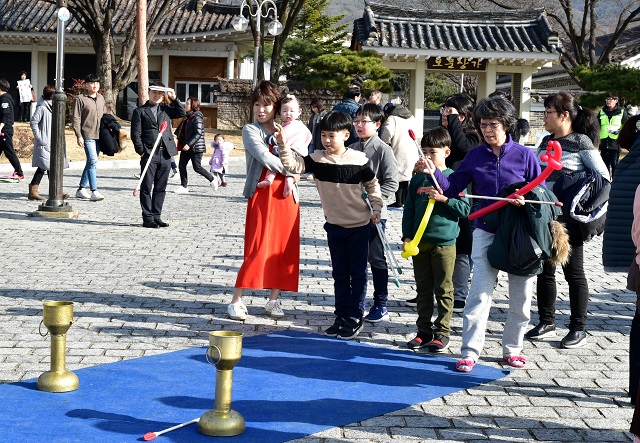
{"x":491,"y":173}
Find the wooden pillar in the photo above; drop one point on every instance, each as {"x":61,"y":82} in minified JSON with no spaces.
{"x":141,"y":52}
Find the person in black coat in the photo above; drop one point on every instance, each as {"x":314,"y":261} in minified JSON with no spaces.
{"x":7,"y":106}
{"x":192,"y":145}
{"x":145,"y":123}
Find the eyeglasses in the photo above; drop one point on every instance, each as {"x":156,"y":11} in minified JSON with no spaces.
{"x":545,"y":113}
{"x":611,"y":98}
{"x":494,"y":125}
{"x":361,"y":122}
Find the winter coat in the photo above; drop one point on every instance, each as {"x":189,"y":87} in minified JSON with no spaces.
{"x":585,"y":196}
{"x":350,"y":107}
{"x":191,"y":132}
{"x":461,"y":141}
{"x":395,"y":132}
{"x":220,"y":156}
{"x":618,"y":250}
{"x":41,"y":128}
{"x":109,"y":135}
{"x":537,"y":217}
{"x":314,"y":127}
{"x":145,"y":126}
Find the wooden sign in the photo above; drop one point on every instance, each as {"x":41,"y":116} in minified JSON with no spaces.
{"x":456,"y":64}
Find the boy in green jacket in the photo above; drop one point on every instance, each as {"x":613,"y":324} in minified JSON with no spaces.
{"x":434,"y":263}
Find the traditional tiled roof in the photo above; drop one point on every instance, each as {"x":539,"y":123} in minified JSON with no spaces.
{"x":395,"y":27}
{"x":196,"y":17}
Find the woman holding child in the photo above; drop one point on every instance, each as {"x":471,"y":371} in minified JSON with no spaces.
{"x":496,"y":163}
{"x":272,"y":227}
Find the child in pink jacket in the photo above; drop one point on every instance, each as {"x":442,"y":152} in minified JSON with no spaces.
{"x":218,"y":160}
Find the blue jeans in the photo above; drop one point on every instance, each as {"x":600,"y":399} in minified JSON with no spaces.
{"x":91,"y":150}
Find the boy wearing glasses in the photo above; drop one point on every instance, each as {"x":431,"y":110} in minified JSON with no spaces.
{"x":433,"y":265}
{"x":367,"y":122}
{"x":340,"y":174}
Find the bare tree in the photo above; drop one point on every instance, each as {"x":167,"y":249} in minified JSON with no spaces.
{"x":97,"y":18}
{"x":578,"y":24}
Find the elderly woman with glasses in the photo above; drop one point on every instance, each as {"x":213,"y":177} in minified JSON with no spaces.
{"x":493,"y":165}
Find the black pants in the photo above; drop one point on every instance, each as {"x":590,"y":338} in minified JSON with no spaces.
{"x":401,"y":195}
{"x":634,"y":357}
{"x":6,"y":146}
{"x":610,"y":158}
{"x":154,"y":180}
{"x":25,"y":110}
{"x":578,"y":286}
{"x":37,"y":176}
{"x":196,"y":161}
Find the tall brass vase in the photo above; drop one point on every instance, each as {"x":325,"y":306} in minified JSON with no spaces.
{"x":225,"y":350}
{"x":58,"y":317}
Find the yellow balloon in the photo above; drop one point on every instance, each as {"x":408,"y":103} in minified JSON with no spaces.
{"x":411,"y":248}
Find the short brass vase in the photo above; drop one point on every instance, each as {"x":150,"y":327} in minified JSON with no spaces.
{"x":58,"y":317}
{"x":224,"y":352}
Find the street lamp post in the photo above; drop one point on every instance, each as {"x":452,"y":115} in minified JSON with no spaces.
{"x":55,"y":206}
{"x":258,"y":10}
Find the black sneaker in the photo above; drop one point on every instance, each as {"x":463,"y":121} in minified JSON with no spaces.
{"x":413,"y":302}
{"x":458,"y":306}
{"x":574,"y":339}
{"x":332,"y":330}
{"x":543,"y":330}
{"x":350,"y":329}
{"x":439,"y":343}
{"x":420,"y":341}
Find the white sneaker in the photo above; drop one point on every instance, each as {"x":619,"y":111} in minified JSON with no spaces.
{"x":237,"y":311}
{"x":214,"y":183}
{"x":83,"y":194}
{"x":96,"y":196}
{"x":181,"y":190}
{"x":274,"y":309}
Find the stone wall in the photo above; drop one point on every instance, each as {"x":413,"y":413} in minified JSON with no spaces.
{"x":234,"y":102}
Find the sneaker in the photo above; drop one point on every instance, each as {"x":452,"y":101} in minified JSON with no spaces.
{"x":18,"y":176}
{"x":223,"y":184}
{"x":574,"y":339}
{"x":458,"y":306}
{"x":420,"y":341}
{"x":332,"y":330}
{"x":173,"y":173}
{"x":181,"y":190}
{"x":96,"y":196}
{"x":543,"y":330}
{"x":237,"y":311}
{"x":274,"y":309}
{"x":439,"y":344}
{"x":83,"y":194}
{"x":413,"y":302}
{"x":136,"y":175}
{"x":376,"y":314}
{"x":214,"y":184}
{"x":350,"y":329}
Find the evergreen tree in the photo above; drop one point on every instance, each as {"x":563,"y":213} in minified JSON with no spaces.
{"x":600,"y":79}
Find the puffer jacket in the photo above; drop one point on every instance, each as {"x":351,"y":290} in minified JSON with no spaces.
{"x":618,"y":250}
{"x":585,"y":196}
{"x":538,"y":218}
{"x":194,"y":132}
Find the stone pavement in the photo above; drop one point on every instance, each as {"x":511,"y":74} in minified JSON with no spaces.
{"x":142,"y":291}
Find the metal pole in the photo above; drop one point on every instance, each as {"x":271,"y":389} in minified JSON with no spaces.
{"x":55,"y":202}
{"x":256,"y":56}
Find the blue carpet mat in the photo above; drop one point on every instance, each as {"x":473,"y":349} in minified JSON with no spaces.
{"x":287,"y":385}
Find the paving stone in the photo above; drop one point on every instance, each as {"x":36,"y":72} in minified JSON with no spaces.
{"x":140,"y":292}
